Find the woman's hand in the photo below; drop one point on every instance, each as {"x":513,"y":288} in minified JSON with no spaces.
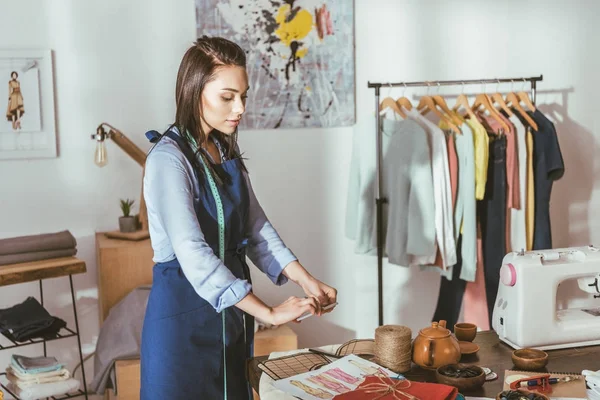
{"x":324,"y":293}
{"x":292,"y":309}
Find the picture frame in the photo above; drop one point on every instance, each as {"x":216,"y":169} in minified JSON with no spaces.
{"x":27,"y":127}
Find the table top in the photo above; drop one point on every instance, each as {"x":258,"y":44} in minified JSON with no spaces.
{"x":493,"y":354}
{"x":42,"y":269}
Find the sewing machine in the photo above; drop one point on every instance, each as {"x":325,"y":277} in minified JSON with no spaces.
{"x":528,"y":312}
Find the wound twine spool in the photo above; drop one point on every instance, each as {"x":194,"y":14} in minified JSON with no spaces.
{"x":393,"y":347}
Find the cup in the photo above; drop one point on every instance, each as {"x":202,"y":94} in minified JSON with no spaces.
{"x":465,"y":331}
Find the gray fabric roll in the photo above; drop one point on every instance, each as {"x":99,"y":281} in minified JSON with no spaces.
{"x":38,"y":243}
{"x":35,"y":256}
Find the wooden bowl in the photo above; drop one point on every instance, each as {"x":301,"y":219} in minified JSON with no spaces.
{"x":465,"y":332}
{"x":462,"y":384}
{"x":529,"y":359}
{"x":524,"y":393}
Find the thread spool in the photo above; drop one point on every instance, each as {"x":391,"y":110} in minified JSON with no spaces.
{"x":393,"y":347}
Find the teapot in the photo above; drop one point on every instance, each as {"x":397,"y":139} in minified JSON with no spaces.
{"x":435,"y":346}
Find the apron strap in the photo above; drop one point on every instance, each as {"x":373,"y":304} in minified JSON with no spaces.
{"x":189,"y":154}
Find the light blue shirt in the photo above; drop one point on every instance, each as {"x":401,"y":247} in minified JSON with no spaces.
{"x":169,"y":188}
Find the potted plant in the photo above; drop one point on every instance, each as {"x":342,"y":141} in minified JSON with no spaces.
{"x":127,"y":223}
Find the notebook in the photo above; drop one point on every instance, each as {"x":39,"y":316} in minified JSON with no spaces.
{"x":567,"y":390}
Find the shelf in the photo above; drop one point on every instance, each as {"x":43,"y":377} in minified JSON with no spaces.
{"x":60,"y":335}
{"x":73,"y":395}
{"x":37,"y":270}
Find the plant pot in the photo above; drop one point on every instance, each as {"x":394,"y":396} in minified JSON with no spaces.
{"x":127,"y":224}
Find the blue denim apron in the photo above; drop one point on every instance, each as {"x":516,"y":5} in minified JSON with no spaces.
{"x":182,"y":351}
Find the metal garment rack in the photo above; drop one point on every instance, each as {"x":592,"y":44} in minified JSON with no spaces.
{"x":381,"y":200}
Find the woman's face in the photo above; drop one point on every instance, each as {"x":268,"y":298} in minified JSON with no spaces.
{"x":13,"y":75}
{"x":224,"y":100}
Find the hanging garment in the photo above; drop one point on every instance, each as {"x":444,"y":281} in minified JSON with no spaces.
{"x":407,"y":184}
{"x":475,"y":308}
{"x":452,"y":289}
{"x":530,"y":208}
{"x":465,"y":211}
{"x":453,"y":167}
{"x":481,"y":144}
{"x":518,"y":237}
{"x":188,"y":349}
{"x":492,"y":216}
{"x":442,"y":191}
{"x":495,"y":128}
{"x":548,"y":167}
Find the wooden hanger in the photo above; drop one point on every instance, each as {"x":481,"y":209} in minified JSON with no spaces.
{"x":439,"y":101}
{"x":511,"y":98}
{"x":404,"y":101}
{"x":463,"y":101}
{"x":498,"y":99}
{"x":427,"y":104}
{"x":390,"y":103}
{"x":482,"y":99}
{"x":524,"y":97}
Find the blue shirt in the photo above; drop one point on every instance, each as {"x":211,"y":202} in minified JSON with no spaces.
{"x":169,"y":188}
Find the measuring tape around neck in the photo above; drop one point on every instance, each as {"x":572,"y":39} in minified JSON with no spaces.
{"x":221,"y":222}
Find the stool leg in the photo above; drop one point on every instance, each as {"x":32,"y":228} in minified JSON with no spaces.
{"x":42,"y":302}
{"x":78,"y":337}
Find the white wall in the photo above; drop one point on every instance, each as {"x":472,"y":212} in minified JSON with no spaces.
{"x":116,"y":62}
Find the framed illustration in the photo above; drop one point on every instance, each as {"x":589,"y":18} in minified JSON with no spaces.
{"x":300,"y":58}
{"x":27,"y":127}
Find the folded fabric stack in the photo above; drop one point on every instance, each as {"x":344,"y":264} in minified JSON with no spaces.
{"x":38,"y":377}
{"x":37,"y":247}
{"x":29,"y":320}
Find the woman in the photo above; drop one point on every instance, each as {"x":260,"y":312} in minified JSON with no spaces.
{"x":15,"y":109}
{"x":198,"y":328}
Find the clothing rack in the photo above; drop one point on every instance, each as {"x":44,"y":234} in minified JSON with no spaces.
{"x":380,"y":200}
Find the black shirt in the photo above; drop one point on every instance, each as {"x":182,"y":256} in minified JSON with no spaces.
{"x":548,"y":166}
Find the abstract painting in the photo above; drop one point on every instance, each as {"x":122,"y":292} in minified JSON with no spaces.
{"x":300,"y":58}
{"x":27,"y":129}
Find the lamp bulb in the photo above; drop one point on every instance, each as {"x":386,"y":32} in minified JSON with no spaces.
{"x":100,"y":157}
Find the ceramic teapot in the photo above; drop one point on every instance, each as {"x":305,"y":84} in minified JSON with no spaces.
{"x":435,"y":346}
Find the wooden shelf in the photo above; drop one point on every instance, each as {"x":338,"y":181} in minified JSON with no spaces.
{"x":34,"y":271}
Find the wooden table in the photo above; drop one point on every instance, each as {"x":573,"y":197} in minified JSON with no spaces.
{"x":493,"y":354}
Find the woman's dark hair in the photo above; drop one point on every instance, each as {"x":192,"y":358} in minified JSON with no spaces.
{"x":14,"y":73}
{"x":197,"y":68}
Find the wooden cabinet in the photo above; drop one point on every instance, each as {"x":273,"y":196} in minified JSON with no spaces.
{"x":122,"y":266}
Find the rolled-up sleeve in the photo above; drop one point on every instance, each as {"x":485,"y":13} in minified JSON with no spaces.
{"x":265,"y":248}
{"x":168,"y":192}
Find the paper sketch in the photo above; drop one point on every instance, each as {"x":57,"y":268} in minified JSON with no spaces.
{"x":27,"y":129}
{"x":340,"y":376}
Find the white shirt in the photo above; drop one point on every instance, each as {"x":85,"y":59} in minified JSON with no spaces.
{"x":518,"y":234}
{"x":409,"y":216}
{"x":442,"y":191}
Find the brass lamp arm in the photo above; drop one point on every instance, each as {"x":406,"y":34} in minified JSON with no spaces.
{"x":122,"y":141}
{"x":134,"y":152}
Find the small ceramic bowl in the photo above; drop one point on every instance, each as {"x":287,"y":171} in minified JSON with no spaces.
{"x":529,"y":359}
{"x":538,"y":396}
{"x":465,"y":332}
{"x":444,"y":375}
